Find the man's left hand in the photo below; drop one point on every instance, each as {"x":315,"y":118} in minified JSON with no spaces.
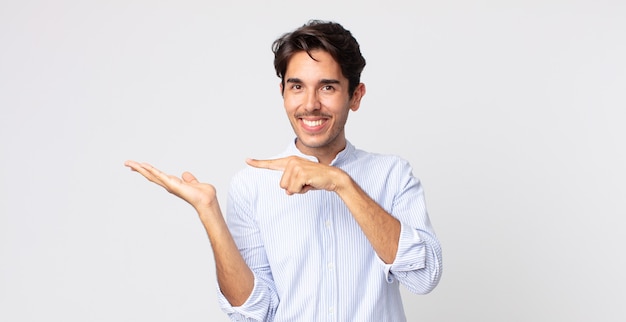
{"x":301,"y":175}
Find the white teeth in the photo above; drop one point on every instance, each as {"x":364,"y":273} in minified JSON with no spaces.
{"x":312,"y":123}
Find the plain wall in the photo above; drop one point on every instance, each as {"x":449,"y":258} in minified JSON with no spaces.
{"x":511,"y":113}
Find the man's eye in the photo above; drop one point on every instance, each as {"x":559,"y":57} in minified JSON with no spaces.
{"x":296,"y":86}
{"x":328,"y":88}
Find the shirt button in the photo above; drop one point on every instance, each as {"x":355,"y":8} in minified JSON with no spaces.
{"x":331,"y":266}
{"x":331,"y":310}
{"x":327,"y":223}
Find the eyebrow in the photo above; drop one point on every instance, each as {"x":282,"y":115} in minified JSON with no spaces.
{"x":329,"y":81}
{"x":322,"y":81}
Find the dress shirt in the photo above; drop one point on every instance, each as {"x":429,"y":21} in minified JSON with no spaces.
{"x":311,"y":260}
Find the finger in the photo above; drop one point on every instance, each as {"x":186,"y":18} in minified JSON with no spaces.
{"x":148,"y":171}
{"x":275,"y":164}
{"x":156,"y":173}
{"x":189,"y":178}
{"x":137,"y":167}
{"x":133,"y":165}
{"x":307,"y":188}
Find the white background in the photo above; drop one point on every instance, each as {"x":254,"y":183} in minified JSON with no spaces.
{"x":511,"y":112}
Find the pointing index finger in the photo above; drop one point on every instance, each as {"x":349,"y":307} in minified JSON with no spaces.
{"x":275,"y":164}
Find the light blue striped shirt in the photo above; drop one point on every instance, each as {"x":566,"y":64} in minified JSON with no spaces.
{"x":311,"y":260}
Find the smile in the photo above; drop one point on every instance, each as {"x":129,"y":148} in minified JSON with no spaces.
{"x":312,"y":123}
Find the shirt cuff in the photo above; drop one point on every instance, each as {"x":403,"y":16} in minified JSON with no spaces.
{"x":254,"y":308}
{"x":411,"y":254}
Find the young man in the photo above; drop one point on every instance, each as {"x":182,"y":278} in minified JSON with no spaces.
{"x":324,"y":231}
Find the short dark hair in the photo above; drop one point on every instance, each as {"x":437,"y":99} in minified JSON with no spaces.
{"x":325,"y":35}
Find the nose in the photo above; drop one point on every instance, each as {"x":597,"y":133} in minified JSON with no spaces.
{"x":312,"y":101}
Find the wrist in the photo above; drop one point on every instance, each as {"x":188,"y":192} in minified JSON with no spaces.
{"x":207,"y":211}
{"x":343,"y":182}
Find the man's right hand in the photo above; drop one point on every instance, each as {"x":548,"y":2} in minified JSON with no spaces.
{"x":201,"y":196}
{"x":235,"y":278}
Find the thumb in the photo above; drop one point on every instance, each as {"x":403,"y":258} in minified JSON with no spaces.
{"x":189,"y":178}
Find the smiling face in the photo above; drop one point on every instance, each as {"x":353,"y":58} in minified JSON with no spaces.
{"x":317,"y":102}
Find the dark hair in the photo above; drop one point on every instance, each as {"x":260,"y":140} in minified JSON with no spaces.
{"x":325,"y":35}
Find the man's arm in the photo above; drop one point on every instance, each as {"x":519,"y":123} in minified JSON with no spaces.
{"x":235,"y":278}
{"x":410,"y":246}
{"x":380,"y":227}
{"x":301,"y":175}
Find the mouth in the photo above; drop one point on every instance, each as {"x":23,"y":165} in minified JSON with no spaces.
{"x":313,"y":125}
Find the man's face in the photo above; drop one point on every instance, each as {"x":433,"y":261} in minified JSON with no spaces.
{"x":317,"y":102}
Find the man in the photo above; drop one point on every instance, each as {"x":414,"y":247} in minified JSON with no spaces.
{"x":324,"y":231}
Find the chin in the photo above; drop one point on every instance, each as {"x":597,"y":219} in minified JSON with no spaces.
{"x":311,"y":143}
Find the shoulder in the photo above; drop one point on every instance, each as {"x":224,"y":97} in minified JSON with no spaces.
{"x":250,"y":175}
{"x":380,"y":161}
{"x":371,"y":168}
{"x":249,"y":180}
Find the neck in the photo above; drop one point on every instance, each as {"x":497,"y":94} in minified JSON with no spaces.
{"x":325,"y":154}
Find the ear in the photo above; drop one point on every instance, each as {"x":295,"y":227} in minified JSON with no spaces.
{"x":282,"y":89}
{"x":355,"y":101}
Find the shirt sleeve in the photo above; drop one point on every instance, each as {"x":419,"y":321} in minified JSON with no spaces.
{"x":262,"y":303}
{"x":418,"y":262}
{"x":256,"y":308}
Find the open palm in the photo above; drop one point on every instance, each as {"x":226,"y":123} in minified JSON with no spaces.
{"x":187,"y":187}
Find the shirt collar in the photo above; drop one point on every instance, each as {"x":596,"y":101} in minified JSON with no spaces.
{"x":341,"y":157}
